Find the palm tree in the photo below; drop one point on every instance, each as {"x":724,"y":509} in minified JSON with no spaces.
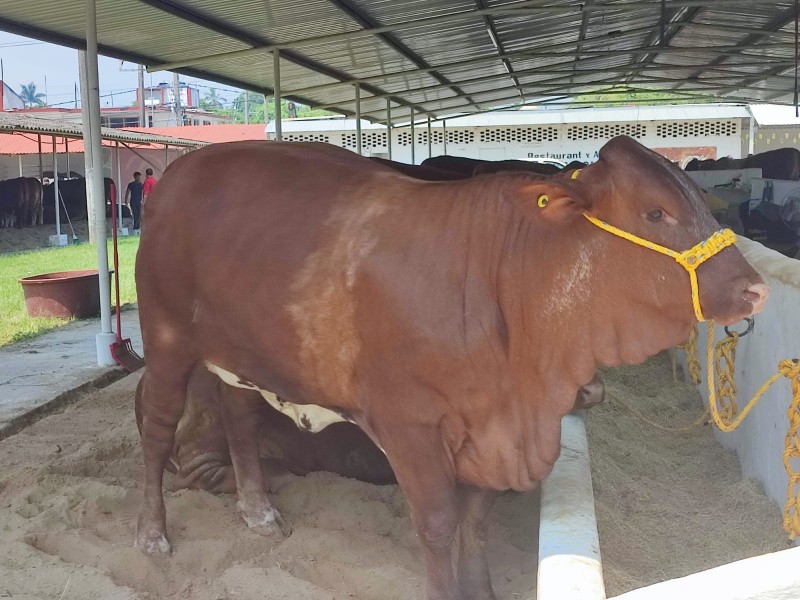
{"x":212,"y":100}
{"x":30,"y":96}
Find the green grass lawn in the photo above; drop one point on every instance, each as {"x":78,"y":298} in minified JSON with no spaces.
{"x":15,"y":324}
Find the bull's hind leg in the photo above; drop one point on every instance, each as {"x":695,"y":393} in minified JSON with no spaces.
{"x":240,"y":410}
{"x":473,"y":571}
{"x":163,"y":399}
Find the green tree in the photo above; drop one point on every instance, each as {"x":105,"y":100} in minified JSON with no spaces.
{"x":211,"y":101}
{"x":30,"y":97}
{"x":625,"y":96}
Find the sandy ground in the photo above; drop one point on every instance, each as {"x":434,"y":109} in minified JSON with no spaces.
{"x":69,"y":498}
{"x":667,"y":505}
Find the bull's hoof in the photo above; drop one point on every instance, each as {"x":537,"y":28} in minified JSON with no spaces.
{"x":266,"y":521}
{"x":152,"y":541}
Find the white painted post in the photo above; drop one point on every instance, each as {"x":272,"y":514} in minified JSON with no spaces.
{"x":20,"y":164}
{"x":413,"y":141}
{"x":430,"y":139}
{"x":94,"y":184}
{"x":119,"y":189}
{"x":389,"y":127}
{"x":55,"y":188}
{"x":444,"y":134}
{"x":569,"y":548}
{"x":358,"y":118}
{"x":66,"y":153}
{"x":276,"y":74}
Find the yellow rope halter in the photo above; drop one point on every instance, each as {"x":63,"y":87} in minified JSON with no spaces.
{"x":689,"y":259}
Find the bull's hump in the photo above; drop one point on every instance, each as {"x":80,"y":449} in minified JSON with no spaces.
{"x":307,"y":417}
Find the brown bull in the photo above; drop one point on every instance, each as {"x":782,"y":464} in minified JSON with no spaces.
{"x":454,"y":322}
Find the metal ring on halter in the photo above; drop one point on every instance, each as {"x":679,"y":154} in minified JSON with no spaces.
{"x":750,"y":323}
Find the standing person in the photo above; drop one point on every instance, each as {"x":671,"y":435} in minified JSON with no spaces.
{"x":149,"y":182}
{"x":133,"y":200}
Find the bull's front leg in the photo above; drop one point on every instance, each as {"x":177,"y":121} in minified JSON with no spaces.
{"x":425,"y":474}
{"x":240,"y":410}
{"x":475,"y":507}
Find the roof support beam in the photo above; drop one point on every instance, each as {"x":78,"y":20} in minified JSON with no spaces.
{"x":566,"y":73}
{"x":754,"y":39}
{"x":171,"y":8}
{"x":488,"y":23}
{"x":557,"y":101}
{"x":364,"y":20}
{"x":527,"y":54}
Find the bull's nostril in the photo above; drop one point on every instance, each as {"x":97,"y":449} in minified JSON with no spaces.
{"x":756,"y":294}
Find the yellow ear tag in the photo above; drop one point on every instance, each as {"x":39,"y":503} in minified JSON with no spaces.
{"x":543,"y":200}
{"x":575,"y":174}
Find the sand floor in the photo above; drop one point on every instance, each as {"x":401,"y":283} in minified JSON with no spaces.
{"x":69,"y":498}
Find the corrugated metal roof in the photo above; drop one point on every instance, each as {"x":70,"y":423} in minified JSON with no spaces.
{"x":444,"y":57}
{"x":10,"y":123}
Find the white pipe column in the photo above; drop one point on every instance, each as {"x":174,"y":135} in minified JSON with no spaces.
{"x":358,"y":118}
{"x":20,"y":164}
{"x":55,"y":188}
{"x":444,"y":135}
{"x":430,"y":139}
{"x":94,"y":184}
{"x":119,"y":188}
{"x":276,"y":75}
{"x":413,"y":141}
{"x":389,"y":127}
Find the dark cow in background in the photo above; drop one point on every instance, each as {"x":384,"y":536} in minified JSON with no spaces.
{"x":423,"y":172}
{"x":764,"y":222}
{"x":783,"y":163}
{"x":202,"y":458}
{"x":473,"y":166}
{"x":73,"y":194}
{"x":454,"y":322}
{"x":20,"y":202}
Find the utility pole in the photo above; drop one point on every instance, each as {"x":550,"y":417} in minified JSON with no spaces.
{"x":176,"y":86}
{"x":142,"y":119}
{"x":246,"y":107}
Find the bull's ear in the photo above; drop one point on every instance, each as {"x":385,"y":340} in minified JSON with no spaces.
{"x":556,"y":201}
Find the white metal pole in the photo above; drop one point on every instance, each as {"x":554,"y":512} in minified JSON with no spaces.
{"x":20,"y":164}
{"x":413,"y":141}
{"x":444,"y":134}
{"x":87,"y":146}
{"x":389,"y":127}
{"x":358,"y":118}
{"x":430,"y":139}
{"x":66,"y":153}
{"x":94,"y":184}
{"x":276,"y":75}
{"x":55,"y":190}
{"x":119,"y":188}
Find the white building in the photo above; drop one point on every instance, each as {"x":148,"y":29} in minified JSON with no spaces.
{"x":678,"y":132}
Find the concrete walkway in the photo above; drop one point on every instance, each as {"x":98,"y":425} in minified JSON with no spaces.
{"x":46,"y":372}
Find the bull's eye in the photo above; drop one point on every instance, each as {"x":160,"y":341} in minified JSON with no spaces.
{"x":655,"y":215}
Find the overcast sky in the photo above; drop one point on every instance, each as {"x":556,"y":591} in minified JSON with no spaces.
{"x":54,"y":70}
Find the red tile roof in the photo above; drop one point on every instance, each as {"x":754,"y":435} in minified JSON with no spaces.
{"x":213,"y":134}
{"x":25,"y":143}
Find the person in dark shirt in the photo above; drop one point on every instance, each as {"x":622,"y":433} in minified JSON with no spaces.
{"x":133,"y":200}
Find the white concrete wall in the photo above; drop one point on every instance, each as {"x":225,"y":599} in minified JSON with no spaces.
{"x":759,"y":440}
{"x":679,"y":140}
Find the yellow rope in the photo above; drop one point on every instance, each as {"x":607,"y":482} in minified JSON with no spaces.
{"x":692,"y":356}
{"x":689,"y":259}
{"x":727,"y":419}
{"x":725,"y":354}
